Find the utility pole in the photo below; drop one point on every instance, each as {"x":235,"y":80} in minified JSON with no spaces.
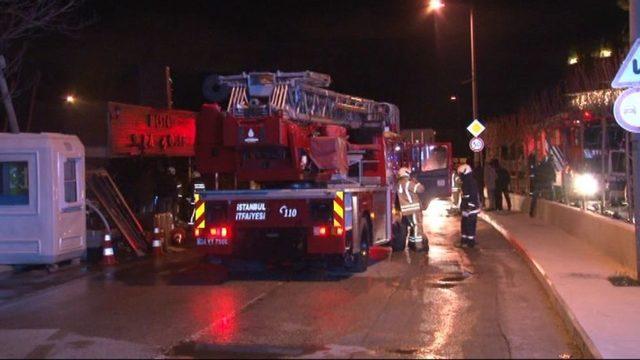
{"x":634,"y":33}
{"x":477,"y":158}
{"x":6,"y":99}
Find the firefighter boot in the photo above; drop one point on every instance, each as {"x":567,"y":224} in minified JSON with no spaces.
{"x":418,"y":244}
{"x":412,"y":245}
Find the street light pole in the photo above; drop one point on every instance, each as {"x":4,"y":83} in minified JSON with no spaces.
{"x":436,"y":5}
{"x":477,"y":159}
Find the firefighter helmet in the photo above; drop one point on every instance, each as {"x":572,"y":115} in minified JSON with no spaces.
{"x":404,"y":172}
{"x":464,"y":169}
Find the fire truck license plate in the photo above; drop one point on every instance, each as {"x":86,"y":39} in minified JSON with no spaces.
{"x":211,"y":242}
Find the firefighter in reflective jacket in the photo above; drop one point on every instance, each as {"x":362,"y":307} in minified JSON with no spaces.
{"x":470,"y":206}
{"x":408,"y":190}
{"x":197,"y":184}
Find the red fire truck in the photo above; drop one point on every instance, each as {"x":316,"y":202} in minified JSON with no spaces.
{"x":313,"y":171}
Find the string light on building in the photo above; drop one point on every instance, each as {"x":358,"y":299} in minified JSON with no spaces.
{"x":594,"y":99}
{"x":605,"y":53}
{"x":573,"y":60}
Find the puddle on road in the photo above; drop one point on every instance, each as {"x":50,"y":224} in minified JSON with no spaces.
{"x":439,"y":285}
{"x":584,"y":276}
{"x":196,"y":350}
{"x":456,"y":278}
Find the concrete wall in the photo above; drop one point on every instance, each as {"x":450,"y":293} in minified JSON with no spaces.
{"x":612,"y":237}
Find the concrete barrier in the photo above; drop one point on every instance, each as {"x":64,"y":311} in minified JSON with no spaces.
{"x":608,"y":236}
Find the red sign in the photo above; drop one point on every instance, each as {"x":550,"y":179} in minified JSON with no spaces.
{"x":141,"y":130}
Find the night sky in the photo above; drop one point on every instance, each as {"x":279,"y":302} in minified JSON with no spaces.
{"x":385,"y":50}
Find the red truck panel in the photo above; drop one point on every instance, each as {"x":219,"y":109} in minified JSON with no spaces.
{"x":211,"y":157}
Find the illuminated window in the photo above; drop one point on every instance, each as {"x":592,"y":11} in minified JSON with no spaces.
{"x":70,"y":181}
{"x":436,"y":157}
{"x":14,"y":183}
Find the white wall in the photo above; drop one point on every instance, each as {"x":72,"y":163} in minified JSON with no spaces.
{"x":612,"y":237}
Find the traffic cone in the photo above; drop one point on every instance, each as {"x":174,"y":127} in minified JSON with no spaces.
{"x":156,"y":243}
{"x":108,"y":255}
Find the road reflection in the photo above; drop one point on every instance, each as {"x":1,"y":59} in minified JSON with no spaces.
{"x":435,"y":217}
{"x":224,"y":308}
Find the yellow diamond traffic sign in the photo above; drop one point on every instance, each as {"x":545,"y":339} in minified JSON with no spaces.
{"x":476,"y":128}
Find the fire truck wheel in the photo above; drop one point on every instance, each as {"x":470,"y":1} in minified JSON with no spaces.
{"x":359,"y":261}
{"x":399,"y":237}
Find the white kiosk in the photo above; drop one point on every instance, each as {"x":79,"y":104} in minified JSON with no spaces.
{"x":42,"y":198}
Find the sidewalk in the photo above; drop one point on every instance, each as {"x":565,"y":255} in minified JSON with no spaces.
{"x":604,"y":317}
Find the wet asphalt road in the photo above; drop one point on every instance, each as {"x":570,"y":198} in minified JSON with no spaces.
{"x":481,"y":302}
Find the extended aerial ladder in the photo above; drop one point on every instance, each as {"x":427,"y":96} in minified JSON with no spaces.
{"x":303,"y":97}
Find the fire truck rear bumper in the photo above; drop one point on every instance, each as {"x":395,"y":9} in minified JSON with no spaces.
{"x":273,"y":243}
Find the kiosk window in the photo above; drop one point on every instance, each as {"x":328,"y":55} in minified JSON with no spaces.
{"x":14,"y":183}
{"x":70,"y":181}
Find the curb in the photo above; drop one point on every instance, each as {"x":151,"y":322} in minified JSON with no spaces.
{"x":585,"y":343}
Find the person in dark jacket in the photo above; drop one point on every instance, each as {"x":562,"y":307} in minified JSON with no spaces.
{"x":543,"y":177}
{"x":470,"y":206}
{"x":168,"y":191}
{"x":502,"y":185}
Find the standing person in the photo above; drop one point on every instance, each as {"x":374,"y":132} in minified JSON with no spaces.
{"x":417,"y":191}
{"x":534,"y":180}
{"x":567,"y":184}
{"x":168,"y":191}
{"x":547,"y":177}
{"x":410,"y":208}
{"x":490,"y":183}
{"x":470,"y":207}
{"x":456,"y":189}
{"x":502,"y":185}
{"x":197,"y":185}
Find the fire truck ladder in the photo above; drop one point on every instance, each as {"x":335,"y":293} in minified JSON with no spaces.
{"x":303,"y":97}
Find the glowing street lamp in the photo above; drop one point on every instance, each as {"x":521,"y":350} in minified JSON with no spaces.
{"x":70,"y":99}
{"x":585,"y":185}
{"x":453,"y":98}
{"x":435,"y":5}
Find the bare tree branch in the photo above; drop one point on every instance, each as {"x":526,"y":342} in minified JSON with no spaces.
{"x":23,"y":20}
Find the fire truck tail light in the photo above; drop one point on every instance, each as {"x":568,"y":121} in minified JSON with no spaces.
{"x":319,"y":231}
{"x":222,"y":232}
{"x":337,"y":230}
{"x":197,"y":232}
